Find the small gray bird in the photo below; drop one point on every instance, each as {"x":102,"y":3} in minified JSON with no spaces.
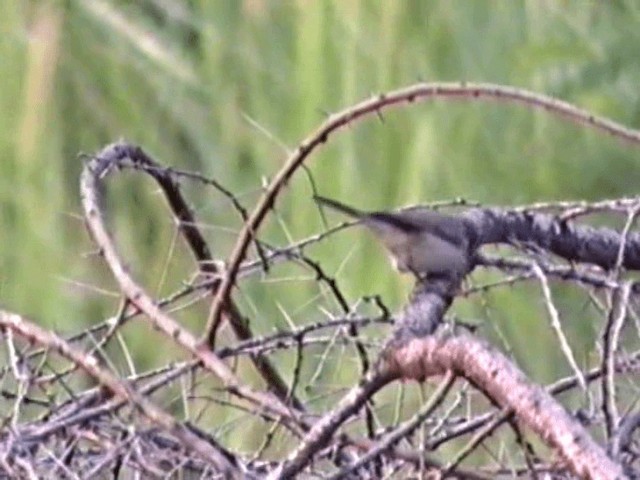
{"x":420,"y":241}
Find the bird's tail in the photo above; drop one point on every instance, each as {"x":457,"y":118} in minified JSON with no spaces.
{"x":341,"y":207}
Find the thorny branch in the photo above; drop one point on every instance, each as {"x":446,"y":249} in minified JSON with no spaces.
{"x":411,"y":94}
{"x":332,"y":427}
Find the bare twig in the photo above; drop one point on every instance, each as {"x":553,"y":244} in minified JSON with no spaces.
{"x":554,"y":316}
{"x":324,"y":429}
{"x":403,"y":430}
{"x":89,"y":364}
{"x":91,"y":176}
{"x":611,"y":336}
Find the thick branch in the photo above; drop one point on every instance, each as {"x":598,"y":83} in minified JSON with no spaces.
{"x":414,"y":93}
{"x":491,"y":372}
{"x":578,"y":243}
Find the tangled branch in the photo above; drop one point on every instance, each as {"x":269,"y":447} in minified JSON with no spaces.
{"x":58,"y":426}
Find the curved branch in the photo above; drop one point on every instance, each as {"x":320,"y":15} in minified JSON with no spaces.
{"x":90,"y":186}
{"x":419,"y":92}
{"x":219,"y":458}
{"x":123,"y":155}
{"x":491,"y":372}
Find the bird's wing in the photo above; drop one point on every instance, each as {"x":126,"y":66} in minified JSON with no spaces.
{"x":452,"y":230}
{"x":340,"y":207}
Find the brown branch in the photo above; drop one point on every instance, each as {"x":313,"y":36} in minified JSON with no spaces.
{"x":323,"y":430}
{"x":495,"y":375}
{"x":561,"y":386}
{"x":90,"y":184}
{"x":424,"y":91}
{"x":32,"y":333}
{"x":123,"y":155}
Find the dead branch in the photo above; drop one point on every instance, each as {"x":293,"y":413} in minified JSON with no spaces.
{"x":55,"y":424}
{"x":94,"y":171}
{"x":507,"y":386}
{"x":221,"y":459}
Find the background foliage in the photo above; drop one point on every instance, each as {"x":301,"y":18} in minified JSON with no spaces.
{"x":224,"y":87}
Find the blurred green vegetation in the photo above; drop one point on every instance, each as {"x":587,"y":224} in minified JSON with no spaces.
{"x":221,"y":86}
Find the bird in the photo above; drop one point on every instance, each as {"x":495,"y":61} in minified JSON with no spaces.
{"x":420,"y":241}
